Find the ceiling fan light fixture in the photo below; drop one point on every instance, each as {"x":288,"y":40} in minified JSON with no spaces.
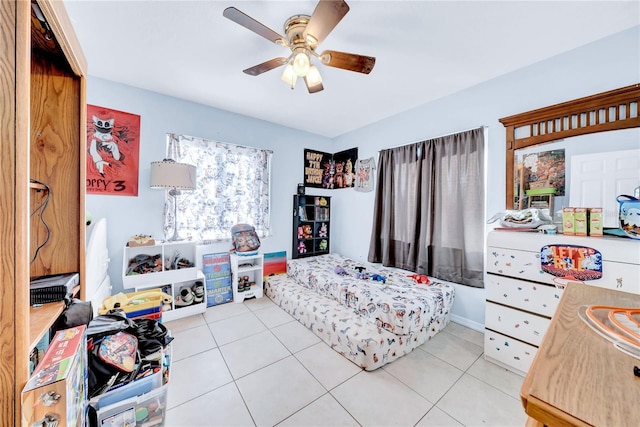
{"x":311,"y":40}
{"x":301,"y":64}
{"x":289,"y":76}
{"x":313,"y":77}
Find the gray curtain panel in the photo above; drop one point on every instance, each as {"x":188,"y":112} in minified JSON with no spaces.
{"x":429,"y":208}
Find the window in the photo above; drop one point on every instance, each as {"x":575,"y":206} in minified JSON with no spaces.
{"x":233,"y":185}
{"x":429,"y":208}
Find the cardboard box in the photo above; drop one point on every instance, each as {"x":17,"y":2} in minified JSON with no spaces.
{"x":581,"y":221}
{"x":56,"y":392}
{"x":140,"y":240}
{"x":568,"y":221}
{"x":217,"y":275}
{"x":595,"y":222}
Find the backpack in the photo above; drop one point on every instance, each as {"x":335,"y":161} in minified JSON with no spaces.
{"x":245,"y":239}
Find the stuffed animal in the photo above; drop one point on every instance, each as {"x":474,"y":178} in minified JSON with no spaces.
{"x":420,"y":278}
{"x":302,"y":248}
{"x":323,"y":230}
{"x":340,"y":271}
{"x":322,"y":245}
{"x":378,"y":278}
{"x":307,"y":231}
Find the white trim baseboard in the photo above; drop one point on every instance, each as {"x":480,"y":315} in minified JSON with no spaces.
{"x":468,"y":323}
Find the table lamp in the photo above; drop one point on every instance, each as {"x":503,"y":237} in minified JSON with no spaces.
{"x":173,"y":176}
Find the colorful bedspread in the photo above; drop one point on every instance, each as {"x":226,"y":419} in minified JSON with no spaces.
{"x":345,"y":331}
{"x":398,"y":304}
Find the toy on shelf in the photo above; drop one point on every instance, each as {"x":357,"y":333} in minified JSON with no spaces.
{"x":323,"y":230}
{"x":323,"y":245}
{"x":307,"y":231}
{"x":144,"y":263}
{"x":141,"y":240}
{"x":302,"y":248}
{"x":244,"y":284}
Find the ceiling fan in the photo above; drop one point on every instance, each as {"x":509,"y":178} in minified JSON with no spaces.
{"x":303,"y":35}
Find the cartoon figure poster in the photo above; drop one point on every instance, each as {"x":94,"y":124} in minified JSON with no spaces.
{"x":326,"y":170}
{"x":113,"y":145}
{"x":344,"y":162}
{"x":317,"y":169}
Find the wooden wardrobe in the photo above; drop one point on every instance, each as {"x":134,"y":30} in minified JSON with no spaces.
{"x":42,"y":158}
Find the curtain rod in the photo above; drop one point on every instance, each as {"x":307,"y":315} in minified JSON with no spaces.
{"x":440,"y":136}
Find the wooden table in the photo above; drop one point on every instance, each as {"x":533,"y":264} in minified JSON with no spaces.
{"x":578,"y":377}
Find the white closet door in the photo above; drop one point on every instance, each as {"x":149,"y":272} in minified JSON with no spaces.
{"x":597,"y":179}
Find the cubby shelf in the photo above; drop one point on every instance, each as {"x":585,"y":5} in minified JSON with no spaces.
{"x":311,"y":225}
{"x":173,"y":280}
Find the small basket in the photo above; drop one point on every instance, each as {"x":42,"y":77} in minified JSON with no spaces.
{"x":534,"y":185}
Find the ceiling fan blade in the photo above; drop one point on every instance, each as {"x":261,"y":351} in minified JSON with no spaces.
{"x":315,"y":88}
{"x":265,"y":66}
{"x":324,"y":19}
{"x":348,"y":61}
{"x":248,"y":22}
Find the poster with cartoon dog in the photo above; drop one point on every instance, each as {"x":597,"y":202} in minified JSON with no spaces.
{"x":113,"y":144}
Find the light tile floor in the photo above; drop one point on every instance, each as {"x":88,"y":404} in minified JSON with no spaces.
{"x":252,"y":364}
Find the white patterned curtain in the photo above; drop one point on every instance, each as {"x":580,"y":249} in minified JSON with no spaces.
{"x":232,"y":187}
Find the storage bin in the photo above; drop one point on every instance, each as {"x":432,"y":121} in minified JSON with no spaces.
{"x":136,"y":304}
{"x":141,"y":402}
{"x":148,"y":409}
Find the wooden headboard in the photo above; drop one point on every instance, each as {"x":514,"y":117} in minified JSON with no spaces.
{"x":612,"y":110}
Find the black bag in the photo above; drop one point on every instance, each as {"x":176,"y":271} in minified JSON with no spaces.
{"x":76,"y":313}
{"x":152,"y":337}
{"x":244,"y":238}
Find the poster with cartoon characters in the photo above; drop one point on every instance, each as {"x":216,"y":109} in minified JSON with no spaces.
{"x":317,"y":169}
{"x":325,"y":170}
{"x":345,"y":162}
{"x":113,"y":146}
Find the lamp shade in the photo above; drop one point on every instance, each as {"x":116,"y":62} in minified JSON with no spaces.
{"x":171,"y":174}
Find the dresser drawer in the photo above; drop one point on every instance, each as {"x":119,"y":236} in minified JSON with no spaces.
{"x":525,"y":263}
{"x":524,"y":326}
{"x":530,"y":296}
{"x":517,"y":263}
{"x":508,"y":352}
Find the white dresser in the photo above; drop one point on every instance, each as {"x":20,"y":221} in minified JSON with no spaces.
{"x":522,"y":297}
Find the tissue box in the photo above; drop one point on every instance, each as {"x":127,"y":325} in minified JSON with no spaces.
{"x":595,"y":222}
{"x":568,"y":221}
{"x":581,"y":218}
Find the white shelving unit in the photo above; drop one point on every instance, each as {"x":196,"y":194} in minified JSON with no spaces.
{"x":167,"y":277}
{"x":252,"y":267}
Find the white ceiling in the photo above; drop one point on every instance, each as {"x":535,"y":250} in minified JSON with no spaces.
{"x":424,"y":50}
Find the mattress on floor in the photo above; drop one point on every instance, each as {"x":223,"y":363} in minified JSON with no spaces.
{"x":399,"y":305}
{"x":345,"y":331}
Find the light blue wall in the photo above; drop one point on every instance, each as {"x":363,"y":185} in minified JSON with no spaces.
{"x":600,"y":66}
{"x":159,"y":115}
{"x":606,"y":64}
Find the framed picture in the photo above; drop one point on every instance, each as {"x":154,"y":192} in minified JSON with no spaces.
{"x":113,"y":146}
